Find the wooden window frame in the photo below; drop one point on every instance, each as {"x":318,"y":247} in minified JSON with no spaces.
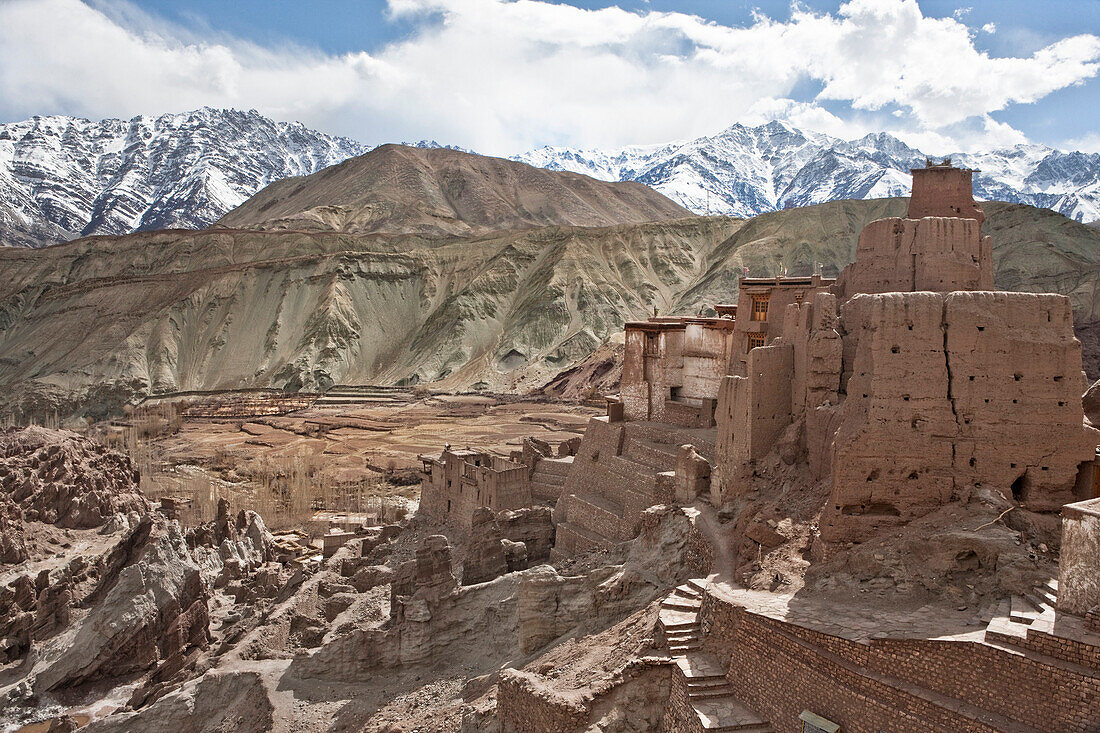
{"x":759,"y":311}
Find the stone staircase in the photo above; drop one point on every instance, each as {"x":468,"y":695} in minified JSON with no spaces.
{"x":1026,"y":624}
{"x":364,"y":394}
{"x":713,"y":704}
{"x":1018,"y":613}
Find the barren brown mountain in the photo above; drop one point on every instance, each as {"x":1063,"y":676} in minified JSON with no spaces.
{"x":395,"y":189}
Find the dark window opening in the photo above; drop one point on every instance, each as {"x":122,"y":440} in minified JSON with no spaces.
{"x":1019,"y":488}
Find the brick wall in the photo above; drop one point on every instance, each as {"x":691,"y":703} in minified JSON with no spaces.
{"x":780,"y":669}
{"x":522,"y":707}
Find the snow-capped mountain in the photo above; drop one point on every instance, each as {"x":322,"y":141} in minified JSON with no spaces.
{"x":745,"y":171}
{"x":62,"y":177}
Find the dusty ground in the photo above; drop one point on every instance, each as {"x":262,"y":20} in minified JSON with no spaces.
{"x":354,"y":439}
{"x":340,"y":452}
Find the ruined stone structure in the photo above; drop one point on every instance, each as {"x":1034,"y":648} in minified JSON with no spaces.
{"x":620,"y":470}
{"x":456,"y":483}
{"x":912,"y":382}
{"x":672,"y":367}
{"x":906,"y":383}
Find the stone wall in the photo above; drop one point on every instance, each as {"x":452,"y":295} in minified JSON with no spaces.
{"x":631,"y":699}
{"x":780,"y":669}
{"x":753,"y":411}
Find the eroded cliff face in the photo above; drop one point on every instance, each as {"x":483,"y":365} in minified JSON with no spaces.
{"x":94,"y":323}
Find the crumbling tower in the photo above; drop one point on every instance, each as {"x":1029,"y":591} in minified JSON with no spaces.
{"x":937,"y":247}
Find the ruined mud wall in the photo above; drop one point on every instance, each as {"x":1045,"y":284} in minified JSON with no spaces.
{"x":961,"y":390}
{"x":523,"y":707}
{"x":631,"y":699}
{"x":909,"y":255}
{"x":652,"y":367}
{"x":706,"y":355}
{"x":779,"y":670}
{"x":752,"y":412}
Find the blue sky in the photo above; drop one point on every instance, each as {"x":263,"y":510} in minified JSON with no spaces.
{"x":502,"y":76}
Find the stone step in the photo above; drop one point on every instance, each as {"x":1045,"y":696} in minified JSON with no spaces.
{"x":673,"y":619}
{"x":727,"y":713}
{"x":695,"y":683}
{"x":1045,"y":596}
{"x":1022,"y":611}
{"x":697,"y":584}
{"x":681,"y":604}
{"x":706,"y":693}
{"x":681,"y":649}
{"x":1052,"y":585}
{"x":701,"y":666}
{"x":687,"y":590}
{"x":693,"y":638}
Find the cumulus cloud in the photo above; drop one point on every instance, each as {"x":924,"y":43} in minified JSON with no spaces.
{"x":501,"y":76}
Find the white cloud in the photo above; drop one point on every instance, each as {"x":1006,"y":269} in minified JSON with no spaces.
{"x":1089,"y":143}
{"x":502,"y":76}
{"x":989,"y":28}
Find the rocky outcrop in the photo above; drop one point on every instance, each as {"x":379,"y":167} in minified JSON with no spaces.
{"x":229,"y":549}
{"x":127,"y":630}
{"x":533,"y":526}
{"x":233,"y":701}
{"x":13,"y":546}
{"x":484,"y":552}
{"x":62,"y":478}
{"x":550,"y":604}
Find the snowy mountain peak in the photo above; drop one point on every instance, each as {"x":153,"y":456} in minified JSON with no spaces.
{"x":744,"y":171}
{"x":62,"y":177}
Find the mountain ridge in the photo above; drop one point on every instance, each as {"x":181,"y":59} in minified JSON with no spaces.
{"x":97,"y":322}
{"x":746,"y":171}
{"x":63,"y":177}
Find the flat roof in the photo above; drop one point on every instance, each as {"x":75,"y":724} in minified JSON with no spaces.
{"x":787,"y":281}
{"x":663,"y":325}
